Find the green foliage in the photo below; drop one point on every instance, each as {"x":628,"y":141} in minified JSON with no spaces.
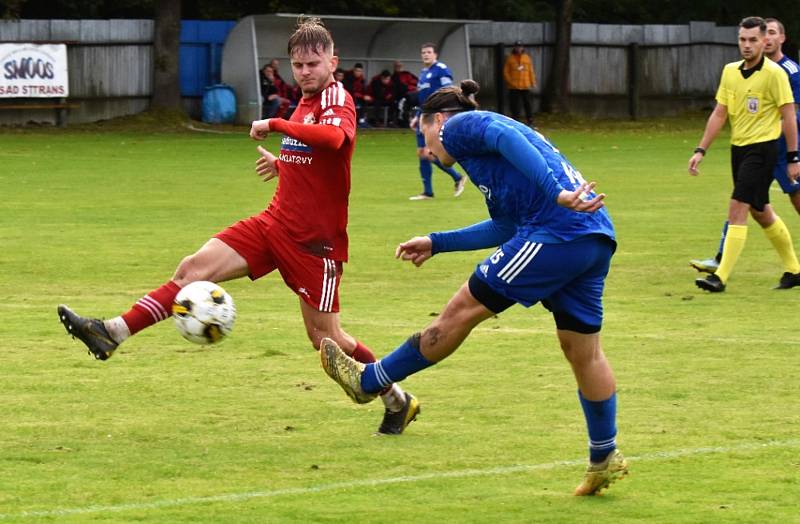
{"x":590,"y":11}
{"x":252,"y":430}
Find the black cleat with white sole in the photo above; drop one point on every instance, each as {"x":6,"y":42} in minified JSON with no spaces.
{"x":394,"y":422}
{"x":90,"y":331}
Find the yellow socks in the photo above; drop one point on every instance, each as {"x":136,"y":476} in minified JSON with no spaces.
{"x":734,"y":244}
{"x":781,"y":240}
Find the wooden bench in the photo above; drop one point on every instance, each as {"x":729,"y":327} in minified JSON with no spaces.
{"x":59,"y":106}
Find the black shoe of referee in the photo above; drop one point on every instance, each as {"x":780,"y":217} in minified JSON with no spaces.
{"x":788,"y":281}
{"x":710,"y":283}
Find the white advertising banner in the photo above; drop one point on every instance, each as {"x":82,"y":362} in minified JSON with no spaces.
{"x":33,"y":71}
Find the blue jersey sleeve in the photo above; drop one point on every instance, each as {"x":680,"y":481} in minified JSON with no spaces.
{"x":445,"y":76}
{"x":793,"y":70}
{"x":489,"y":233}
{"x":515,"y":148}
{"x":794,"y":80}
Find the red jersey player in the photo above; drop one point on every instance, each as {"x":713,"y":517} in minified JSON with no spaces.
{"x":302,"y":233}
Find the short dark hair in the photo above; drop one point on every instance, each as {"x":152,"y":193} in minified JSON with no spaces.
{"x":431,"y":45}
{"x":781,"y":29}
{"x":754,"y":21}
{"x":310,"y":35}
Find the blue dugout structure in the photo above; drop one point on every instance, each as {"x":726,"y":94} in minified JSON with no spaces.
{"x":201,"y":45}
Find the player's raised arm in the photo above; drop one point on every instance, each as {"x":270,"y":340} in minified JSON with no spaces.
{"x":517,"y":150}
{"x":315,"y":135}
{"x":259,"y":129}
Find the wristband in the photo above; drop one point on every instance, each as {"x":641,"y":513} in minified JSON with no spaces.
{"x":700,"y":150}
{"x":792,"y":157}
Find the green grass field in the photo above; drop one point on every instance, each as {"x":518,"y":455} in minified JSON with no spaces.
{"x":253,"y":431}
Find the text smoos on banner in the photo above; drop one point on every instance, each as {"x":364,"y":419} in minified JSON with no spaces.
{"x":33,"y":71}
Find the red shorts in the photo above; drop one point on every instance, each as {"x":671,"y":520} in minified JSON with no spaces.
{"x":266,"y":246}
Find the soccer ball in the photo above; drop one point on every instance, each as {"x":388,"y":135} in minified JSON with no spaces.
{"x":204,"y":313}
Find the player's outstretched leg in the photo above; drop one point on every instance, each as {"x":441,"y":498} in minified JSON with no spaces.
{"x":601,"y":475}
{"x":344,"y":370}
{"x":394,"y":422}
{"x":103,"y":337}
{"x":90,"y":331}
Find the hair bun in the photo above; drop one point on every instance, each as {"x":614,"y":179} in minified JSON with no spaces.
{"x":470,"y":87}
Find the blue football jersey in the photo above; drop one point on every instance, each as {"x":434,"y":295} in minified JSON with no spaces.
{"x":520,"y":174}
{"x":793,"y":70}
{"x":432,"y":78}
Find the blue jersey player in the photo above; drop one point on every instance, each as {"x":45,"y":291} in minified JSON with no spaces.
{"x":775,"y":37}
{"x":547,"y":253}
{"x":434,"y":75}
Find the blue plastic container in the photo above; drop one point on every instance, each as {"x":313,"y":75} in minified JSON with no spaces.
{"x":219,"y":104}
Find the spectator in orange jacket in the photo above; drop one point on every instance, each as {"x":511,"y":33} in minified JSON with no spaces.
{"x":520,"y":79}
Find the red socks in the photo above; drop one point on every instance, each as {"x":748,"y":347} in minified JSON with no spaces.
{"x":363,"y":354}
{"x":151,"y":308}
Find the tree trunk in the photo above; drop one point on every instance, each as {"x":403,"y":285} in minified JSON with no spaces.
{"x":166,"y":46}
{"x":556,"y":94}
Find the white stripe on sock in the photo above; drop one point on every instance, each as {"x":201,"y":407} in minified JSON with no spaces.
{"x":383,"y":378}
{"x":158,"y":307}
{"x":150,"y":309}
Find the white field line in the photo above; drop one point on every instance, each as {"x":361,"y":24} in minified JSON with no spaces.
{"x":464,"y":473}
{"x":550,"y":330}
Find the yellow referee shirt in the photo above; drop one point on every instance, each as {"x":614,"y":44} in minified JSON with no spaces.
{"x":753,"y":102}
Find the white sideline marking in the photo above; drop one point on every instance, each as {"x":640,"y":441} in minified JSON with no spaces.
{"x":503,"y":470}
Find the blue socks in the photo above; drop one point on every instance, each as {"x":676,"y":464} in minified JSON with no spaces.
{"x":394,"y":367}
{"x":601,"y":419}
{"x":426,"y":172}
{"x":722,"y":241}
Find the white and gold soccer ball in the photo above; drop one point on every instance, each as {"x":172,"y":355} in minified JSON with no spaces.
{"x":204,"y":313}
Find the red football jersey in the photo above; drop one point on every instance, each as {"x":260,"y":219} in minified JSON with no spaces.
{"x":314,"y":183}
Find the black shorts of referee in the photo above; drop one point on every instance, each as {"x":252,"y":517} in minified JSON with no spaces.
{"x":752,"y":167}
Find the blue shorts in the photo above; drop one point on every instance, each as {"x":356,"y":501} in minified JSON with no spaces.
{"x":568,"y":278}
{"x":421,"y":140}
{"x":780,"y":172}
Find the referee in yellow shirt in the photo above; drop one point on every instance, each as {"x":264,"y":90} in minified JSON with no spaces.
{"x":755,"y":94}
